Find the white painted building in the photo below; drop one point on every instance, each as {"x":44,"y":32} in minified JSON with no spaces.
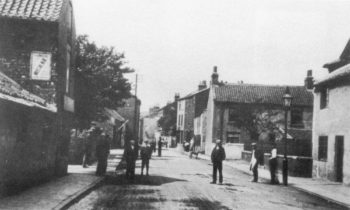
{"x":331,"y":124}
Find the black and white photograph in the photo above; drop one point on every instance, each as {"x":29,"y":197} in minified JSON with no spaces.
{"x":174,"y":105}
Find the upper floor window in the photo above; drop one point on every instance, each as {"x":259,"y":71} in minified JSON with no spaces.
{"x":232,"y":114}
{"x":296,"y":117}
{"x":324,"y":99}
{"x":233,"y":137}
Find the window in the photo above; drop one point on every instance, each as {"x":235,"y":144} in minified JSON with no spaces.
{"x":233,"y":137}
{"x":324,"y":98}
{"x":232,"y":115}
{"x":296,"y":118}
{"x":322,"y":148}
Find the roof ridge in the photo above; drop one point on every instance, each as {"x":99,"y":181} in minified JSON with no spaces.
{"x":256,"y":84}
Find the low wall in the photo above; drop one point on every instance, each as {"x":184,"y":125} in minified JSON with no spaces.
{"x":246,"y":155}
{"x":298,"y":166}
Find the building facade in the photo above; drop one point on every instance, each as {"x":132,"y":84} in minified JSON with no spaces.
{"x":331,"y":133}
{"x":37,"y":53}
{"x":239,"y":114}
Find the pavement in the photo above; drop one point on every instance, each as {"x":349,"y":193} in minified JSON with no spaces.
{"x":60,"y":192}
{"x":331,"y":191}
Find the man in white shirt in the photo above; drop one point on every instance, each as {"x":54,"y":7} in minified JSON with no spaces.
{"x":273,"y":164}
{"x":254,"y":162}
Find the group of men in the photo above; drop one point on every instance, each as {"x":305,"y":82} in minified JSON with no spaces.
{"x":131,"y":153}
{"x":97,"y":135}
{"x":218,"y":155}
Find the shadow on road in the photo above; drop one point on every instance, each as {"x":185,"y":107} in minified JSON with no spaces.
{"x":141,"y":180}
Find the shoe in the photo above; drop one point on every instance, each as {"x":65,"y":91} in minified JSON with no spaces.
{"x":212,"y":182}
{"x":253,"y":180}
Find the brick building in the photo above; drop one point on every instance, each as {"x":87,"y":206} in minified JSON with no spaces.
{"x":37,"y":52}
{"x":228,"y":101}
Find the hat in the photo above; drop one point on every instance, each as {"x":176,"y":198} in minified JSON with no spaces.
{"x":253,"y":144}
{"x":218,"y":141}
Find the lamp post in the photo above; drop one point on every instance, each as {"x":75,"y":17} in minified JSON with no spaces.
{"x":287,"y":101}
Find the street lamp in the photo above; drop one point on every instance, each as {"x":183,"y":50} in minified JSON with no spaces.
{"x":287,"y":101}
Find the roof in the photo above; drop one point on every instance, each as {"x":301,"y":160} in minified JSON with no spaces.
{"x":193,"y":94}
{"x":12,"y":91}
{"x":113,"y":113}
{"x":45,"y":10}
{"x":341,"y":73}
{"x":262,"y":94}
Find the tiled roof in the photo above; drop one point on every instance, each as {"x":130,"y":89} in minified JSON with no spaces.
{"x":47,"y":10}
{"x":262,"y":94}
{"x":193,"y":94}
{"x":341,"y":73}
{"x":12,"y":91}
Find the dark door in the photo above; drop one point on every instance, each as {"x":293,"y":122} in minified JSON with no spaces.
{"x":339,"y":153}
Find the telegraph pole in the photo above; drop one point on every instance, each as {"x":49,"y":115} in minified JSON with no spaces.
{"x":136,"y":114}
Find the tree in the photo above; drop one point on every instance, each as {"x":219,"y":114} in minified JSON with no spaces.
{"x":168,"y":121}
{"x":100,"y":80}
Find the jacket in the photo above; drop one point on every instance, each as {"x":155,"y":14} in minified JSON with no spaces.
{"x":218,"y":155}
{"x":146,"y":152}
{"x":102,"y":147}
{"x":130,"y":155}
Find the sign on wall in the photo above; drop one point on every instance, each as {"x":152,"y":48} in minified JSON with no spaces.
{"x":68,"y":104}
{"x":40,"y":65}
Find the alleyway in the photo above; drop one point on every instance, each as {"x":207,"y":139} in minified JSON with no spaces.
{"x":176,"y":182}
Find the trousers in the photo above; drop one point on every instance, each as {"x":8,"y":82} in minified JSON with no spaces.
{"x":217,"y":166}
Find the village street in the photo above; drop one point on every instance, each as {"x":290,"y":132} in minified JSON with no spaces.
{"x":177,"y":182}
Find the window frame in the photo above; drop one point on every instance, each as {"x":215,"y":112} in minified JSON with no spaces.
{"x":323,"y":148}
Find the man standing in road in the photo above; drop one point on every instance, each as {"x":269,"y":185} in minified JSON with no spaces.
{"x":160,"y":147}
{"x":217,"y":156}
{"x":87,"y":147}
{"x":146,"y":153}
{"x":130,"y":156}
{"x":254,"y":162}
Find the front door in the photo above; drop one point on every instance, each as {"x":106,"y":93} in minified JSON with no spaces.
{"x":338,"y":162}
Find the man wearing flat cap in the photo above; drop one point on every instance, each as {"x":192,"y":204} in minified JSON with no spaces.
{"x":254,"y":162}
{"x":217,"y":156}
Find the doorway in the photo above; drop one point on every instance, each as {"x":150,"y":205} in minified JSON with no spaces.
{"x":339,"y":154}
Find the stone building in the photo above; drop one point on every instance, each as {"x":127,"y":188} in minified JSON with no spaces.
{"x":37,"y":53}
{"x":131,"y":113}
{"x":190,"y":107}
{"x":228,"y":103}
{"x":331,"y":133}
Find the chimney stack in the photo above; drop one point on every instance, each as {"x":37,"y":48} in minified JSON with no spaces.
{"x":215,"y":76}
{"x":177,"y":96}
{"x":202,"y":85}
{"x":309,"y":80}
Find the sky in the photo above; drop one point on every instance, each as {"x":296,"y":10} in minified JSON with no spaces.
{"x":174,"y":44}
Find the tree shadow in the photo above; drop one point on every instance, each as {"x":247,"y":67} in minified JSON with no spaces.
{"x":152,"y":180}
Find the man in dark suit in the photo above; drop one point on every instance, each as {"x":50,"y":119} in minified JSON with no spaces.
{"x":217,"y":156}
{"x":160,"y":143}
{"x":130,"y":156}
{"x":102,"y":152}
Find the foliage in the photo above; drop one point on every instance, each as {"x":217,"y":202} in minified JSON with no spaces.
{"x":258,"y":119}
{"x":100,"y":80}
{"x":168,"y":121}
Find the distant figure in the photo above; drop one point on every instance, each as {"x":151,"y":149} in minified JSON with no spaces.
{"x":254,"y":163}
{"x":217,"y":156}
{"x":191,"y":149}
{"x":130,"y":156}
{"x":153,"y":145}
{"x":160,"y":147}
{"x":273,"y":164}
{"x":146,"y":153}
{"x":87,"y":147}
{"x":102,"y":152}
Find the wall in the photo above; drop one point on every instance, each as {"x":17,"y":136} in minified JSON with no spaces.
{"x":210,"y":122}
{"x":332,"y":121}
{"x":27,"y":147}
